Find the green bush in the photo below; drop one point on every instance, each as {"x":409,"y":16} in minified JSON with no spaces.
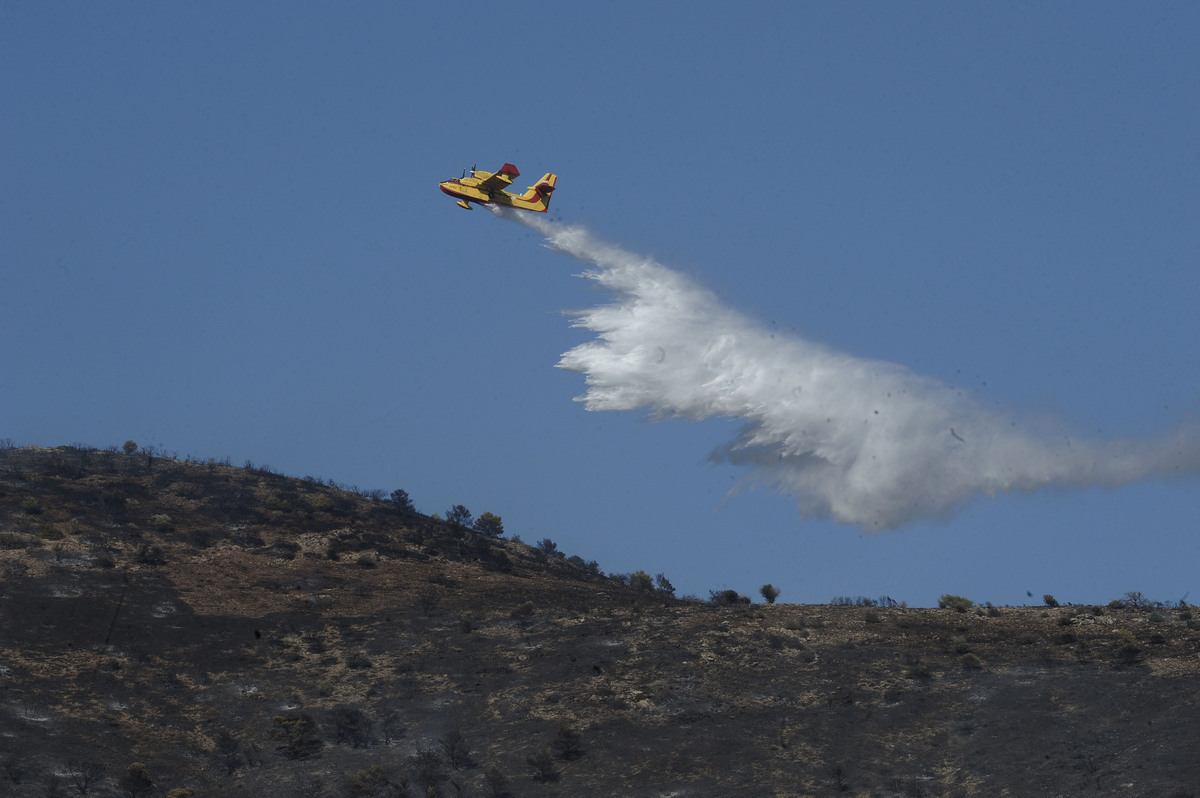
{"x":970,"y":662}
{"x":727,"y":598}
{"x":146,"y":554}
{"x":919,"y":671}
{"x":769,"y":592}
{"x":296,"y":733}
{"x":1128,"y":650}
{"x":640,"y":580}
{"x":136,"y":780}
{"x":48,"y":532}
{"x":366,"y":782}
{"x":1049,"y":601}
{"x":11,"y":542}
{"x":956,"y":603}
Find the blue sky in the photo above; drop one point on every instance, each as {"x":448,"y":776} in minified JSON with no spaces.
{"x":221,"y":235}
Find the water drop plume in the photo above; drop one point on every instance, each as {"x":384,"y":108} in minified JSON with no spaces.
{"x":862,"y":441}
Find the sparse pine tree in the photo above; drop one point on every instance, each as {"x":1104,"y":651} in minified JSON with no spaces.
{"x":664,"y":585}
{"x":459,"y":515}
{"x":402,"y":501}
{"x":490,"y":524}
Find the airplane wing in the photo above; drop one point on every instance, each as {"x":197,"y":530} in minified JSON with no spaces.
{"x":500,"y":180}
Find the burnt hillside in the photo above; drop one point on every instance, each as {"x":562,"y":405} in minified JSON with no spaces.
{"x":168,"y":626}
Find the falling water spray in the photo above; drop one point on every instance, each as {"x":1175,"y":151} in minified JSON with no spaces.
{"x":862,"y":441}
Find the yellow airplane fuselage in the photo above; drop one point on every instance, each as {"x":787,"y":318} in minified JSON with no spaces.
{"x":488,"y":188}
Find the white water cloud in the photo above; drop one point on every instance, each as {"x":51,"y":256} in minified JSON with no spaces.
{"x":862,"y":441}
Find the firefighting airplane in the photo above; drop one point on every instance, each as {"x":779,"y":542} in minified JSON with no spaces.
{"x":486,"y":187}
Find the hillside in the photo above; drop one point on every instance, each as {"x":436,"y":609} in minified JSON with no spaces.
{"x":242,"y":633}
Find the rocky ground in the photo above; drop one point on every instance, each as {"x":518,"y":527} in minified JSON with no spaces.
{"x":239,"y":633}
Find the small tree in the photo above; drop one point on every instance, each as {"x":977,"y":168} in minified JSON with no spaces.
{"x":229,"y":748}
{"x":769,"y":592}
{"x":567,"y":744}
{"x":547,"y":546}
{"x":85,"y":774}
{"x":136,"y":780}
{"x":663,"y":584}
{"x":1128,"y":650}
{"x":543,"y":765}
{"x":351,"y":726}
{"x":727,"y":598}
{"x":427,"y":768}
{"x":490,"y":524}
{"x":1049,"y":600}
{"x":640,"y":580}
{"x":129,"y":447}
{"x":496,"y":781}
{"x":400,"y":498}
{"x":296,"y":735}
{"x":459,"y":515}
{"x":366,"y":782}
{"x":455,"y":748}
{"x":429,"y":600}
{"x":54,"y":787}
